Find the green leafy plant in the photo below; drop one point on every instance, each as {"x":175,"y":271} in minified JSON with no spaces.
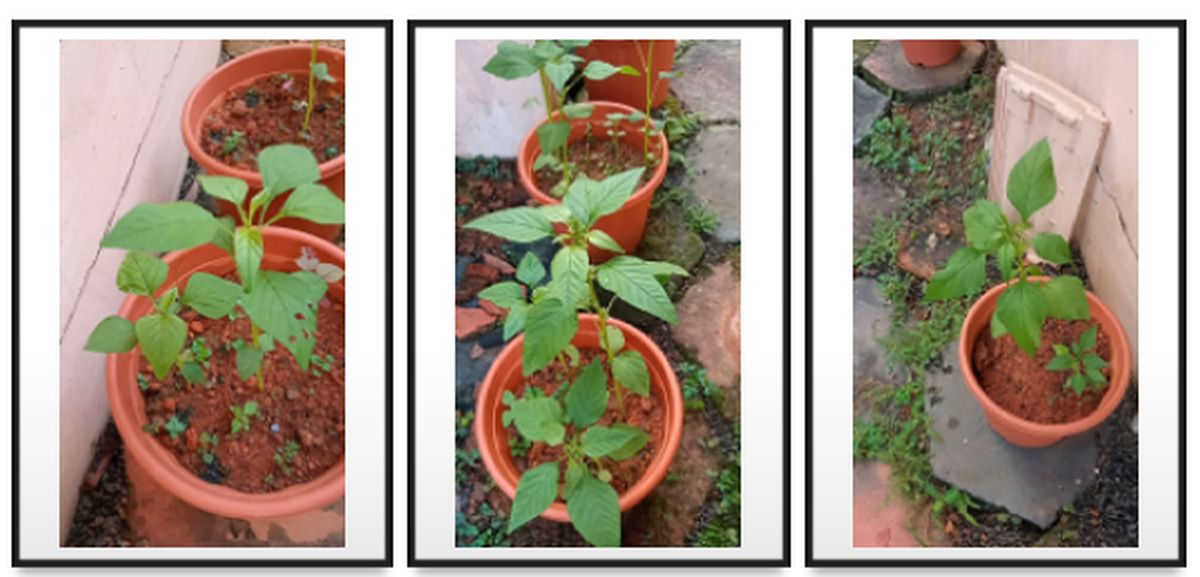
{"x":889,"y":143}
{"x":702,"y":219}
{"x":242,"y":415}
{"x":1083,"y":364}
{"x":281,"y":306}
{"x":285,"y":455}
{"x":1024,"y":305}
{"x":232,"y":141}
{"x":208,"y":446}
{"x":697,"y":386}
{"x":550,"y":320}
{"x":176,"y":426}
{"x":554,"y":62}
{"x":316,"y":71}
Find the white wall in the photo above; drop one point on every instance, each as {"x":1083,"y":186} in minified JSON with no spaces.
{"x":490,"y":115}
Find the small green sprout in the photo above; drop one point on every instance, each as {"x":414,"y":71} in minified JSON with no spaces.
{"x":241,"y":416}
{"x":1083,"y":364}
{"x":143,"y":382}
{"x":285,"y":455}
{"x":176,"y":426}
{"x":208,"y":444}
{"x":232,"y":141}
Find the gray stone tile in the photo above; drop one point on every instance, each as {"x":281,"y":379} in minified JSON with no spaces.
{"x":716,"y":154}
{"x":869,"y":104}
{"x":711,"y":81}
{"x":872,"y":319}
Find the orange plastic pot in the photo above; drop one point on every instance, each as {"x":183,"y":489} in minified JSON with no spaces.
{"x":630,"y":90}
{"x":1022,"y":432}
{"x":930,"y":53}
{"x":244,"y":70}
{"x":281,"y":249}
{"x":629,"y":222}
{"x":505,"y":375}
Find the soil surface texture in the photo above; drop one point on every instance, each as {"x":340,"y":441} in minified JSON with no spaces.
{"x":598,"y":158}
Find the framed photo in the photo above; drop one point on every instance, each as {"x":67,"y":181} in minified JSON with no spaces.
{"x":992,"y":317}
{"x":213,"y":387}
{"x":615,"y":354}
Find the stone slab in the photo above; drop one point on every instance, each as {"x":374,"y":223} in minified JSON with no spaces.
{"x":716,"y":154}
{"x":869,"y":105}
{"x":1031,"y":483}
{"x":711,"y":81}
{"x":873,"y":198}
{"x":872,"y":319}
{"x":887,"y":65}
{"x":881,"y":517}
{"x":710,"y":324}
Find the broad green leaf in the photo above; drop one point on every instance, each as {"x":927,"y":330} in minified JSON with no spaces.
{"x":569,"y":271}
{"x":553,"y":135}
{"x":547,"y":159}
{"x":505,"y":295}
{"x":629,"y":369}
{"x":167,"y":301}
{"x":520,"y":224}
{"x":1022,"y":308}
{"x":963,"y":274}
{"x":162,"y":227}
{"x":193,"y":373}
{"x":634,"y":282}
{"x":320,"y":71}
{"x":1031,"y":183}
{"x":1094,"y":362}
{"x":223,"y":234}
{"x":550,"y":324}
{"x":539,"y":419}
{"x":588,"y":396}
{"x":555,"y":212}
{"x":224,"y":187}
{"x":612,"y":193}
{"x":1087,"y":341}
{"x":285,"y":306}
{"x":536,"y":491}
{"x":247,"y":253}
{"x":1078,"y":383}
{"x":530,"y":270}
{"x":248,"y":359}
{"x":578,"y":199}
{"x":512,"y":60}
{"x":601,"y":441}
{"x":638,"y":439}
{"x":515,"y":321}
{"x":575,"y":472}
{"x":579,"y":110}
{"x":997,"y":327}
{"x":316,"y":203}
{"x":162,"y":337}
{"x":1006,"y":256}
{"x":595,"y":512}
{"x":1061,"y":350}
{"x":664,"y":270}
{"x":1052,"y":247}
{"x":572,"y":355}
{"x":599,"y":70}
{"x":286,"y":166}
{"x":573,"y":44}
{"x":547,"y":49}
{"x":141,"y":274}
{"x":211,"y":296}
{"x":604,"y":241}
{"x":616,"y":338}
{"x":1066,"y":299}
{"x":559,"y":72}
{"x":1095,"y":376}
{"x":1059,"y":364}
{"x":114,"y":334}
{"x":985,"y":225}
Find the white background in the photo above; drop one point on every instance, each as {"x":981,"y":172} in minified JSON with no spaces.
{"x":365,"y":352}
{"x":761,"y":275}
{"x":1158,"y":302}
{"x":797,"y":11}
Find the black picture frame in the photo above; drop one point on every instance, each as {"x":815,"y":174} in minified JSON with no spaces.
{"x":387,"y":559}
{"x":998,"y":561}
{"x":599,"y":561}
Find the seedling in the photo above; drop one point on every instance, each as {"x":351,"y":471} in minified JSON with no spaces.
{"x":281,"y":306}
{"x":554,"y":62}
{"x":316,"y":71}
{"x":697,"y":386}
{"x":1083,"y":364}
{"x":143,"y":382}
{"x":650,"y":127}
{"x":176,"y":426}
{"x":241,"y":416}
{"x":208,"y":444}
{"x":285,"y":455}
{"x":1024,"y":305}
{"x":193,"y":361}
{"x":550,"y":320}
{"x":702,"y":220}
{"x":232,"y":141}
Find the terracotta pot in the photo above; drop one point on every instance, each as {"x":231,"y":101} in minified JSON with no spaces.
{"x":629,"y":222}
{"x":630,"y":90}
{"x":1026,"y":433}
{"x":292,"y":59}
{"x":931,"y":53}
{"x":281,"y":249}
{"x":505,"y":375}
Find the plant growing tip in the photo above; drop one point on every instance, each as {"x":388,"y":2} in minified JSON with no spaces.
{"x":1081,"y":362}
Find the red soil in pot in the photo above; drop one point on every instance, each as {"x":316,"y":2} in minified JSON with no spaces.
{"x":598,"y":158}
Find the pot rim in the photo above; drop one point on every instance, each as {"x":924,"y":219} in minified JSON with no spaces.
{"x":191,"y":137}
{"x":164,"y":468}
{"x":530,"y":143}
{"x":1116,"y":385}
{"x":658,"y":467}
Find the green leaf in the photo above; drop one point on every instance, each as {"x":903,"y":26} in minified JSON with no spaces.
{"x":1094,"y":362}
{"x":1052,"y":247}
{"x":604,"y":241}
{"x":555,"y":212}
{"x":114,"y":334}
{"x":1006,"y":256}
{"x":573,"y":44}
{"x":601,"y":441}
{"x":997,"y":327}
{"x":612,"y":193}
{"x":286,"y":166}
{"x":162,"y":227}
{"x":193,"y":373}
{"x":629,"y":369}
{"x":512,"y":60}
{"x":316,"y":203}
{"x":1059,"y":364}
{"x":595,"y":512}
{"x":223,"y":234}
{"x":1065,"y":298}
{"x":1087,"y":341}
{"x":616,"y":338}
{"x":162,"y":337}
{"x":520,"y":224}
{"x":211,"y":296}
{"x":1031,"y":183}
{"x":579,"y":110}
{"x":320,"y":71}
{"x":1077,"y":382}
{"x":1061,"y":350}
{"x":247,"y":253}
{"x":637,"y":441}
{"x":536,"y":491}
{"x":1095,"y":376}
{"x":575,"y":472}
{"x":634,"y":282}
{"x":553,"y":135}
{"x":663,"y":270}
{"x":963,"y":274}
{"x":546,"y":50}
{"x":530,"y":270}
{"x":248,"y":359}
{"x":599,"y":70}
{"x":515,"y":321}
{"x":285,"y":306}
{"x":505,"y":295}
{"x":550,"y":324}
{"x":175,"y":427}
{"x":985,"y":225}
{"x":141,"y":274}
{"x":224,"y":187}
{"x":569,"y":272}
{"x":1022,"y":308}
{"x":588,"y":396}
{"x":167,"y":302}
{"x":539,"y":419}
{"x":572,"y":355}
{"x":559,"y":72}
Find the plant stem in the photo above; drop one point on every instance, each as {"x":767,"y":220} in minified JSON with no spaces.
{"x":647,"y":124}
{"x":254,"y":334}
{"x":312,"y":89}
{"x":603,"y":314}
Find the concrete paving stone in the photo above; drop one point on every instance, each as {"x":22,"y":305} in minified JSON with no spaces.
{"x":881,"y":517}
{"x":887,"y":65}
{"x":711,"y":81}
{"x":472,"y":361}
{"x":710,"y":324}
{"x":872,"y":320}
{"x":873,"y":198}
{"x":716,"y":156}
{"x":1031,"y":483}
{"x":869,"y":105}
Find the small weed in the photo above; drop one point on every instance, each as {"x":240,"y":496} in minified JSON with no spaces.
{"x":464,"y":462}
{"x":889,"y":143}
{"x":285,"y":455}
{"x":668,"y":194}
{"x":884,"y":247}
{"x":489,"y":167}
{"x":697,"y":387}
{"x":232,"y":141}
{"x":176,"y":426}
{"x":143,"y":382}
{"x":702,"y":219}
{"x":519,"y":446}
{"x":491,"y":533}
{"x":462,"y":425}
{"x":208,"y":444}
{"x":241,"y":416}
{"x":724,"y":529}
{"x":269,"y":479}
